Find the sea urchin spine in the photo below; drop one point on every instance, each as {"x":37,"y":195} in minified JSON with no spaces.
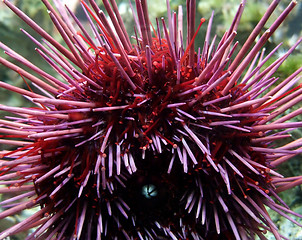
{"x":149,"y":140}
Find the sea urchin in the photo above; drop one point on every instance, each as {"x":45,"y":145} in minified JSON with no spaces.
{"x":148,"y":139}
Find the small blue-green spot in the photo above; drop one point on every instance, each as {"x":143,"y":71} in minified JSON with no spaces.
{"x":149,"y":191}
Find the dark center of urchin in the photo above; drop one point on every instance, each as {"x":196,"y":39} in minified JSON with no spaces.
{"x":153,"y":194}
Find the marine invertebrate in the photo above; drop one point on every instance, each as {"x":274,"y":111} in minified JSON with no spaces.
{"x":149,"y":140}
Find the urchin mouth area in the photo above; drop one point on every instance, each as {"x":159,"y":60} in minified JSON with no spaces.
{"x":153,"y":194}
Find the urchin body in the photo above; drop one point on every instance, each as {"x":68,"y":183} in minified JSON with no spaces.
{"x":149,"y":140}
